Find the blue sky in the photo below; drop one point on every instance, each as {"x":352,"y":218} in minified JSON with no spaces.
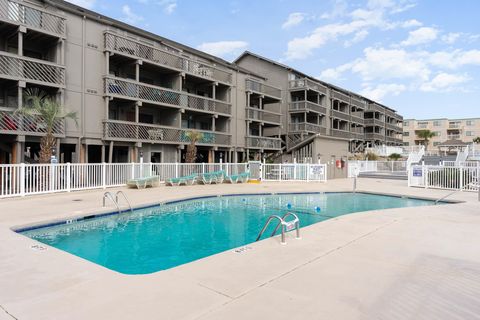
{"x":420,"y":57}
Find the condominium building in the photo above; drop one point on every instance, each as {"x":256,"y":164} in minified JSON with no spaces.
{"x":321,"y":119}
{"x":138,"y":94}
{"x":445,"y":130}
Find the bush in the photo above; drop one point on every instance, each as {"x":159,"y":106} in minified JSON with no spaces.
{"x":371,"y":156}
{"x":395,"y":156}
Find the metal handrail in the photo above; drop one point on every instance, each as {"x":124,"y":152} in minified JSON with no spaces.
{"x":285,"y":226}
{"x":446,"y":196}
{"x":124,"y":197}
{"x":109,"y":195}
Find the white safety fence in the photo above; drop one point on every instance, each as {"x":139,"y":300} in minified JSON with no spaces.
{"x":29,"y":179}
{"x":294,"y":172}
{"x":359,"y":166}
{"x":463,"y":178}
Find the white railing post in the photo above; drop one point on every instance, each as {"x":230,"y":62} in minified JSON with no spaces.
{"x":461,"y":177}
{"x":22,"y":179}
{"x":424,"y":175}
{"x":68,"y":177}
{"x":280,"y":172}
{"x":104,"y":175}
{"x":203,"y":167}
{"x":295,"y":172}
{"x":176,"y":170}
{"x":133,"y":171}
{"x":308,"y":172}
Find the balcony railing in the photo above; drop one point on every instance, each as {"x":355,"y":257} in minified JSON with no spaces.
{"x":453,"y":137}
{"x":305,"y":83}
{"x":340,"y":115}
{"x":393,"y":126}
{"x":376,"y":107}
{"x":262,"y":88}
{"x":31,"y":70}
{"x":374,"y":136}
{"x":340,"y":96}
{"x":357,"y":117}
{"x":13,"y":123}
{"x":263,"y":115}
{"x":357,"y":135}
{"x":454,"y":125}
{"x":340,"y":133}
{"x":138,"y":91}
{"x":307,"y":127}
{"x":358,"y":103}
{"x":141,"y":132}
{"x":129,"y":47}
{"x":374,"y":122}
{"x":34,"y":18}
{"x":263,"y":142}
{"x":306,"y":106}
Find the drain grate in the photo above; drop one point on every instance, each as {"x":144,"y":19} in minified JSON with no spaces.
{"x":76,"y":200}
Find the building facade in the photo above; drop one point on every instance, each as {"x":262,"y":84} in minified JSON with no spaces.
{"x":464,"y":130}
{"x":138,"y":94}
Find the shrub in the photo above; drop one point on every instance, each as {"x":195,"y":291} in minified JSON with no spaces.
{"x":371,"y":156}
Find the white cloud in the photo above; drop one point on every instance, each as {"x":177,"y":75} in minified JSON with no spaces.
{"x":168,"y":6}
{"x":378,"y":92}
{"x":445,"y":82}
{"x":453,"y":59}
{"x":223,"y":48}
{"x":359,"y":36}
{"x":129,"y":16}
{"x":451,"y":38}
{"x":339,"y":10}
{"x":334,"y":74}
{"x":89,"y":4}
{"x":420,"y":36}
{"x":293,"y":19}
{"x":411,"y":23}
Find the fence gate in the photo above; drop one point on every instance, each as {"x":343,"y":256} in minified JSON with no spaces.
{"x":255,"y":168}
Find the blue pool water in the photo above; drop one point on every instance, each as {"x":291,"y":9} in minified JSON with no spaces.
{"x":165,"y":236}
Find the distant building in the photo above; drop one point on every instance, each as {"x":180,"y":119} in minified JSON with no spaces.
{"x":447,"y":131}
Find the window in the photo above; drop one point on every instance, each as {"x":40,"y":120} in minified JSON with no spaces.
{"x":406,"y":133}
{"x":437,"y":123}
{"x":470,"y":133}
{"x":406,"y":143}
{"x":470,"y":122}
{"x":405,"y":123}
{"x":436,"y":143}
{"x":422,"y":125}
{"x":437,"y":133}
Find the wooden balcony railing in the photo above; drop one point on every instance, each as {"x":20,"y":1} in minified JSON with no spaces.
{"x":129,"y":47}
{"x":263,"y":115}
{"x":20,"y":13}
{"x":374,"y":136}
{"x":31,"y":70}
{"x":340,"y":133}
{"x":14,"y":123}
{"x":358,"y":103}
{"x":341,"y":96}
{"x":305,"y":83}
{"x":262,"y":88}
{"x":142,"y":132}
{"x":125,"y":88}
{"x":340,"y":115}
{"x":306,"y":106}
{"x":263,"y":142}
{"x":307,"y":127}
{"x":374,"y":122}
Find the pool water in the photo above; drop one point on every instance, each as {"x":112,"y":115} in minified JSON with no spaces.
{"x":168,"y":235}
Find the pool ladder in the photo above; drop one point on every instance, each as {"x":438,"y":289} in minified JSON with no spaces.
{"x":109,"y":195}
{"x":285,"y":225}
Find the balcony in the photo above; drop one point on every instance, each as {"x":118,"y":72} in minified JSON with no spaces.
{"x":263,"y":142}
{"x":341,"y":96}
{"x":307,"y":127}
{"x":263,"y":116}
{"x":374,"y":136}
{"x":262,"y":88}
{"x":454,"y":125}
{"x":340,"y":115}
{"x":340,"y":133}
{"x":12,"y":123}
{"x":393,"y":126}
{"x":357,"y":135}
{"x":357,"y":117}
{"x":306,"y":106}
{"x":31,"y":17}
{"x":161,"y":57}
{"x":31,"y":70}
{"x":307,"y":84}
{"x":394,"y":140}
{"x":454,"y":137}
{"x":375,"y":107}
{"x":358,"y":103}
{"x":141,"y":132}
{"x":129,"y":89}
{"x":374,"y":122}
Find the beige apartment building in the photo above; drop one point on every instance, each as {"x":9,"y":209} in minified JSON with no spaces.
{"x":446,"y":131}
{"x":138,"y":94}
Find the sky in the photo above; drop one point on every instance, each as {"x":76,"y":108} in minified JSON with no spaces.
{"x":419,"y":57}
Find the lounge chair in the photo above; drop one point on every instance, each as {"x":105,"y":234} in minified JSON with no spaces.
{"x":142,"y":183}
{"x":218,"y":176}
{"x":187,"y":180}
{"x":232,"y":179}
{"x":243,"y":177}
{"x":206,"y":178}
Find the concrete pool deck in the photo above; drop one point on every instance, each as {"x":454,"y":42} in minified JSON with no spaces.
{"x":406,"y":263}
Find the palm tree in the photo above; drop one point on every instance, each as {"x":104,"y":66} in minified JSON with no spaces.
{"x":476,"y":140}
{"x":426,"y":135}
{"x":193,"y":137}
{"x":47,"y":112}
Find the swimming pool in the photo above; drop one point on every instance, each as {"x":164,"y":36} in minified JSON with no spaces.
{"x":164,"y":236}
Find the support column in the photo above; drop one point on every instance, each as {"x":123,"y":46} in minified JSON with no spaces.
{"x":138,"y":63}
{"x":213,"y":122}
{"x":214,"y":91}
{"x":103,"y":154}
{"x":110,"y":152}
{"x":57,"y":150}
{"x":21,"y":31}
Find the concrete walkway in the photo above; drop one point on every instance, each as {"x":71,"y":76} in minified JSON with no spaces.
{"x":408,"y":263}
